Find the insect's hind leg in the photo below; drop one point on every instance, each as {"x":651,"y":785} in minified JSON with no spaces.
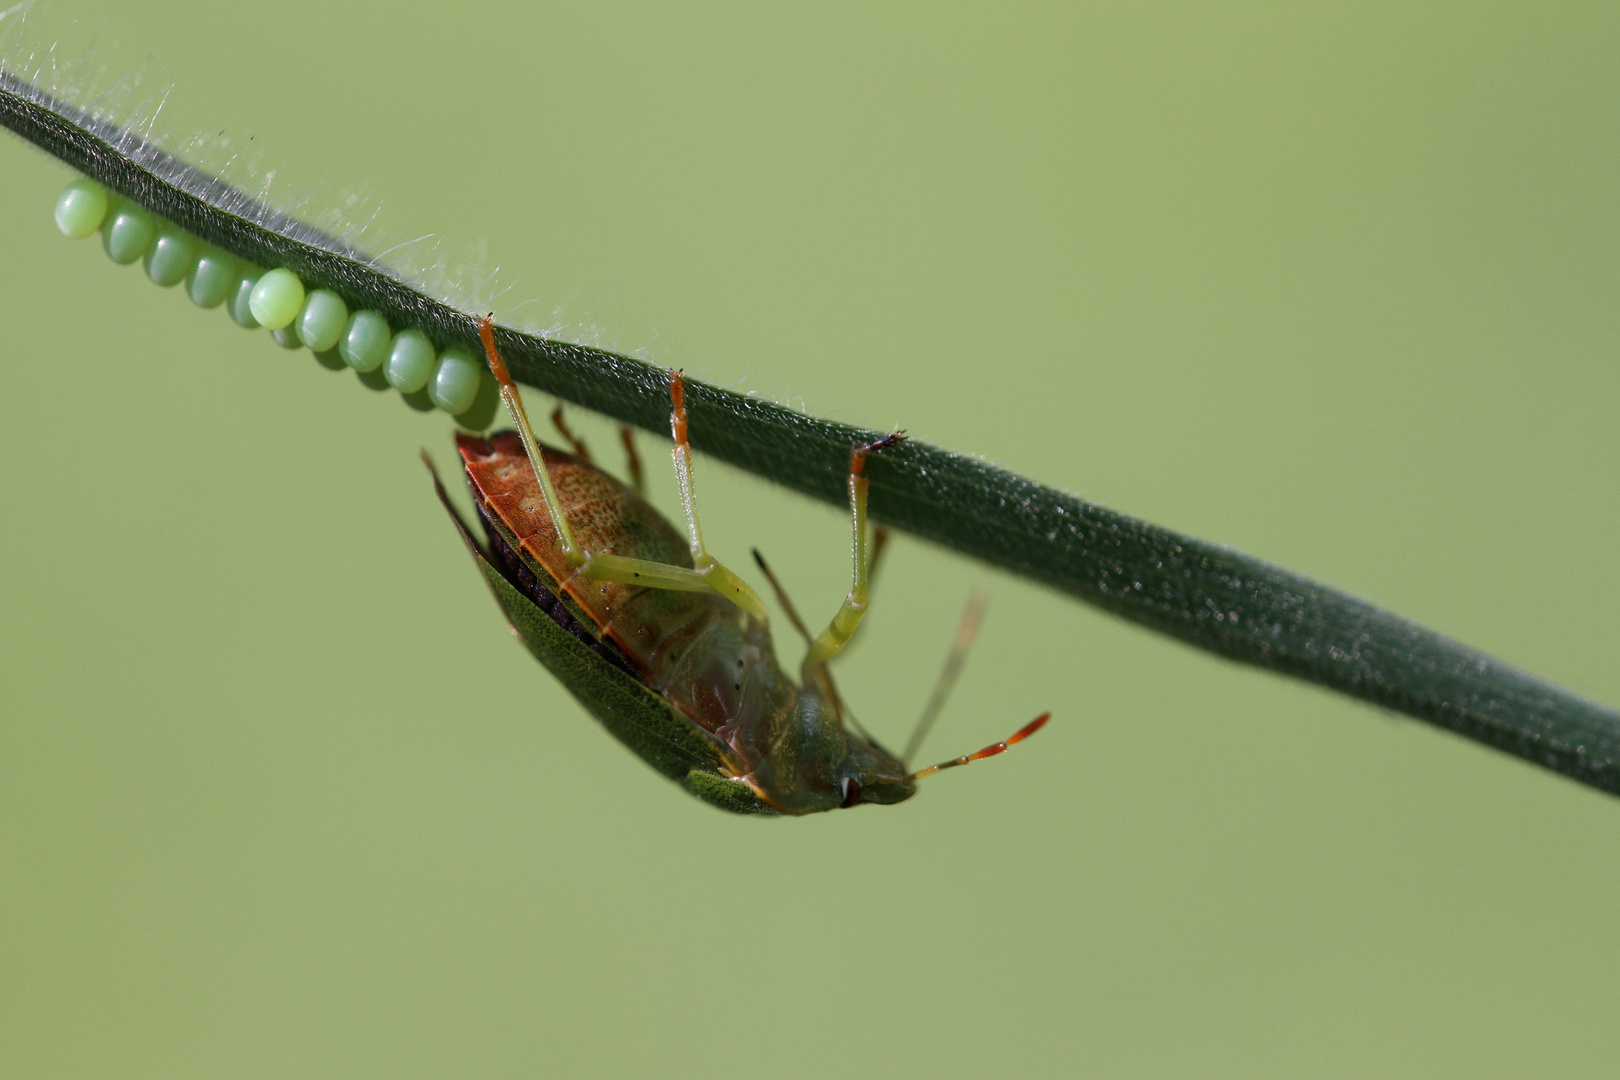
{"x":514,"y":407}
{"x":706,"y":573}
{"x":848,"y":618}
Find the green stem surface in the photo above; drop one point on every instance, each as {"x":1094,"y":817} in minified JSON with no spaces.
{"x":1206,"y":595}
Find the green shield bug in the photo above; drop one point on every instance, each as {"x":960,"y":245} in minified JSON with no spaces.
{"x":670,"y":650}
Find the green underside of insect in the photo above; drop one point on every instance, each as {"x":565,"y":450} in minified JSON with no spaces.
{"x":630,"y":711}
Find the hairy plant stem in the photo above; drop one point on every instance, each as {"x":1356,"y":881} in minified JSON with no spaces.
{"x":1216,"y":599}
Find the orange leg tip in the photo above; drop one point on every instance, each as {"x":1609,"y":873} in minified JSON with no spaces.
{"x":677,"y":398}
{"x":486,"y":334}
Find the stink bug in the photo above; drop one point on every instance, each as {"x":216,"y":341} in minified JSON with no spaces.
{"x":667,"y":648}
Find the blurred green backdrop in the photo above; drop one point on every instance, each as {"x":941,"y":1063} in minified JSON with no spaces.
{"x":280,"y":797}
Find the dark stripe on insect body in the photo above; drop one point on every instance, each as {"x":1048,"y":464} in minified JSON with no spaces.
{"x":527,"y":582}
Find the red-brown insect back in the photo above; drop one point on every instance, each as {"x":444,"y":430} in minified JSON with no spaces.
{"x":990,"y":751}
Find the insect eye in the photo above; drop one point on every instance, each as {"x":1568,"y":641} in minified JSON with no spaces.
{"x":852,"y":793}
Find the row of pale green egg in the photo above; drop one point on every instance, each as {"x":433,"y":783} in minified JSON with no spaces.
{"x":316,"y":319}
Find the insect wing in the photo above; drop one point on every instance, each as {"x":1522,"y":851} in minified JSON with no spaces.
{"x":631,"y":712}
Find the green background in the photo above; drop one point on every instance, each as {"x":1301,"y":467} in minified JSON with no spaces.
{"x":279,"y":796}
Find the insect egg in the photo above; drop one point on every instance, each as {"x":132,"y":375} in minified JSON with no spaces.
{"x":81,"y":209}
{"x":276,"y":299}
{"x":170,"y":257}
{"x":321,"y":320}
{"x":410,"y":361}
{"x":126,"y":234}
{"x":240,"y":302}
{"x":364,"y":341}
{"x":211,"y":279}
{"x":455,"y":383}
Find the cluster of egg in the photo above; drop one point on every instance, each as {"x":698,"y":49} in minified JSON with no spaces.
{"x":316,"y":319}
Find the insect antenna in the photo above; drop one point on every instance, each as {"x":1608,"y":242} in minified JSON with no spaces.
{"x":990,"y":751}
{"x":965,"y":632}
{"x":782,"y":597}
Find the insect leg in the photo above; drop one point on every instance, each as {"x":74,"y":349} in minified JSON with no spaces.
{"x":632,"y":459}
{"x":648,"y":574}
{"x":574,"y":441}
{"x":514,"y":406}
{"x":823,"y":674}
{"x":880,"y":544}
{"x":656,"y":575}
{"x":848,"y":617}
{"x":723,"y":581}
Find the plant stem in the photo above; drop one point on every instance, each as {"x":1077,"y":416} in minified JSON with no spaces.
{"x":1216,"y":599}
